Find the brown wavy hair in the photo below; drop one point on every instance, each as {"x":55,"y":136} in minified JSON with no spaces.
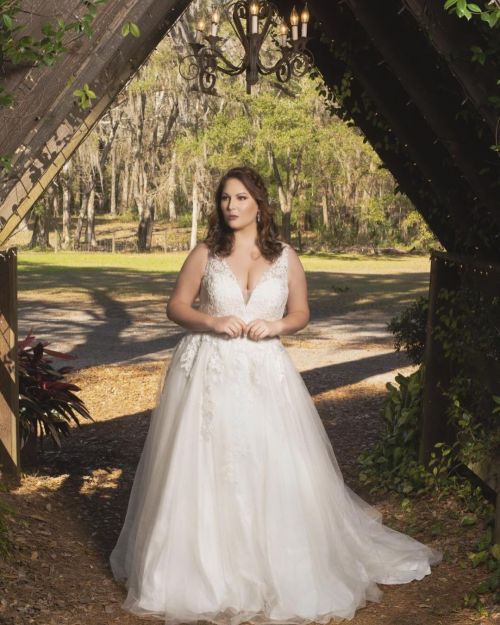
{"x":220,"y":237}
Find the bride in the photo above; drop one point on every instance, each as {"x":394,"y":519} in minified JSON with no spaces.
{"x":238,"y":511}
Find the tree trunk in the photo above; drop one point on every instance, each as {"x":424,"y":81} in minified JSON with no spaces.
{"x":286,"y":193}
{"x":324,"y":207}
{"x":286,"y":229}
{"x":196,"y":210}
{"x":145,"y":228}
{"x":112,"y":192}
{"x":41,"y":224}
{"x":91,"y":240}
{"x":124,"y":184}
{"x":82,"y":215}
{"x":172,"y":214}
{"x":66,"y":217}
{"x":56,"y":211}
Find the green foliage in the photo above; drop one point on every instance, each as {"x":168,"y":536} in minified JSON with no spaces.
{"x":468,"y":330}
{"x":488,"y":53}
{"x":409,"y":329}
{"x":489,"y":12}
{"x":131,"y":28}
{"x":469,"y":334}
{"x":47,"y":403}
{"x":85,"y":95}
{"x":47,"y":49}
{"x":487,"y":556}
{"x":392,"y":462}
{"x":330,"y":161}
{"x":5,"y":511}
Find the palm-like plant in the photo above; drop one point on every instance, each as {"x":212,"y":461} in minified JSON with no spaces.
{"x":47,"y":403}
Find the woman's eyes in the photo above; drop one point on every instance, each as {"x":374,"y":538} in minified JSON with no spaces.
{"x":238,"y":197}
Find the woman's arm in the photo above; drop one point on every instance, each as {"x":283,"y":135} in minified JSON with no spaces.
{"x":186,"y":289}
{"x":297,"y":306}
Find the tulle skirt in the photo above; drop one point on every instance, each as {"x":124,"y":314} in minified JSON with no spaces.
{"x":238,"y":510}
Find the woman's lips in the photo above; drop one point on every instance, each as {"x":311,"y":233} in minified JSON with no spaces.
{"x":231,"y":217}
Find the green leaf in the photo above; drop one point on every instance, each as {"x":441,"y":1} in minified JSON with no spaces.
{"x":468,"y":519}
{"x":7,"y":20}
{"x":134,"y":30}
{"x":126,"y":29}
{"x":490,"y":18}
{"x":478,"y":558}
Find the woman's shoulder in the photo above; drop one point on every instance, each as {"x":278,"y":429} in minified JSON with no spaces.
{"x":201,"y":249}
{"x":198,"y":256}
{"x":286,"y":247}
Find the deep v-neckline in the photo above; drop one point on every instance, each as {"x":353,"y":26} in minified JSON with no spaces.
{"x":259,"y":281}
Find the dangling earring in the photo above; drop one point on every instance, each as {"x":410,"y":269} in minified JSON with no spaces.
{"x":258,"y":217}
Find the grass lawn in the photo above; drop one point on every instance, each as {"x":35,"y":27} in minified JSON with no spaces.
{"x":337,"y":282}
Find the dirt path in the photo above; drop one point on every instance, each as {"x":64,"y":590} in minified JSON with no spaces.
{"x":71,"y":508}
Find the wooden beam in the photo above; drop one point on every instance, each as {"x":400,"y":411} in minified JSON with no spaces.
{"x":9,"y":376}
{"x":45,"y":125}
{"x":433,"y":426}
{"x":418,"y":69}
{"x":455,"y":272}
{"x":422,"y":150}
{"x":453,"y":39}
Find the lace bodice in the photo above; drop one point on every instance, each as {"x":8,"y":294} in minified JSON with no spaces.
{"x":221,"y":294}
{"x":226,"y":357}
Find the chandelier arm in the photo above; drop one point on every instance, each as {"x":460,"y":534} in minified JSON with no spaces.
{"x":272,"y":10}
{"x":239,"y":10}
{"x":265,"y":70}
{"x":216,"y":54}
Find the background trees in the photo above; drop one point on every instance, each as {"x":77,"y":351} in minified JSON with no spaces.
{"x":159,"y":151}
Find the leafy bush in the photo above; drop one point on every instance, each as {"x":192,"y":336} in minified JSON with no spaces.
{"x":5,"y":510}
{"x":47,"y":403}
{"x":392,"y":463}
{"x":409,"y":328}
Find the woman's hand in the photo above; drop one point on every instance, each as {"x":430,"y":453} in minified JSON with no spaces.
{"x":259,"y":328}
{"x":232,"y":326}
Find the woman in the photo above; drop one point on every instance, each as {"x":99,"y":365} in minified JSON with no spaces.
{"x":239,"y":511}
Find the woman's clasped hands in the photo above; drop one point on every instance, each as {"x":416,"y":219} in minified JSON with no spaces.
{"x":255,"y":330}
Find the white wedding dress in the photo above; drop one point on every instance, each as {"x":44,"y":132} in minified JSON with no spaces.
{"x":239,"y":511}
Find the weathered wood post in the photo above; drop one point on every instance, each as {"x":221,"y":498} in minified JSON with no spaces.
{"x":437,"y":375}
{"x":9,"y":376}
{"x":451,"y":272}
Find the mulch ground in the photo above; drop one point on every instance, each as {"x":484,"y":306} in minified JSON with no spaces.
{"x":69,"y":510}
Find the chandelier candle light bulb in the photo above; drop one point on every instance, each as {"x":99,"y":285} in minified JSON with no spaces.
{"x":294,"y":21}
{"x":254,"y":15}
{"x":215,"y":22}
{"x":304,"y":18}
{"x":200,"y":30}
{"x":283,"y":33}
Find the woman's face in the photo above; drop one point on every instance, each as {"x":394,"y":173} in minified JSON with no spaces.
{"x":238,"y":207}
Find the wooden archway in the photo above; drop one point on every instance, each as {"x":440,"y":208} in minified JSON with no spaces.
{"x":406,"y":92}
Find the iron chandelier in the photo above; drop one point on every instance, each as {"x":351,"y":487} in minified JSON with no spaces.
{"x":251,"y":21}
